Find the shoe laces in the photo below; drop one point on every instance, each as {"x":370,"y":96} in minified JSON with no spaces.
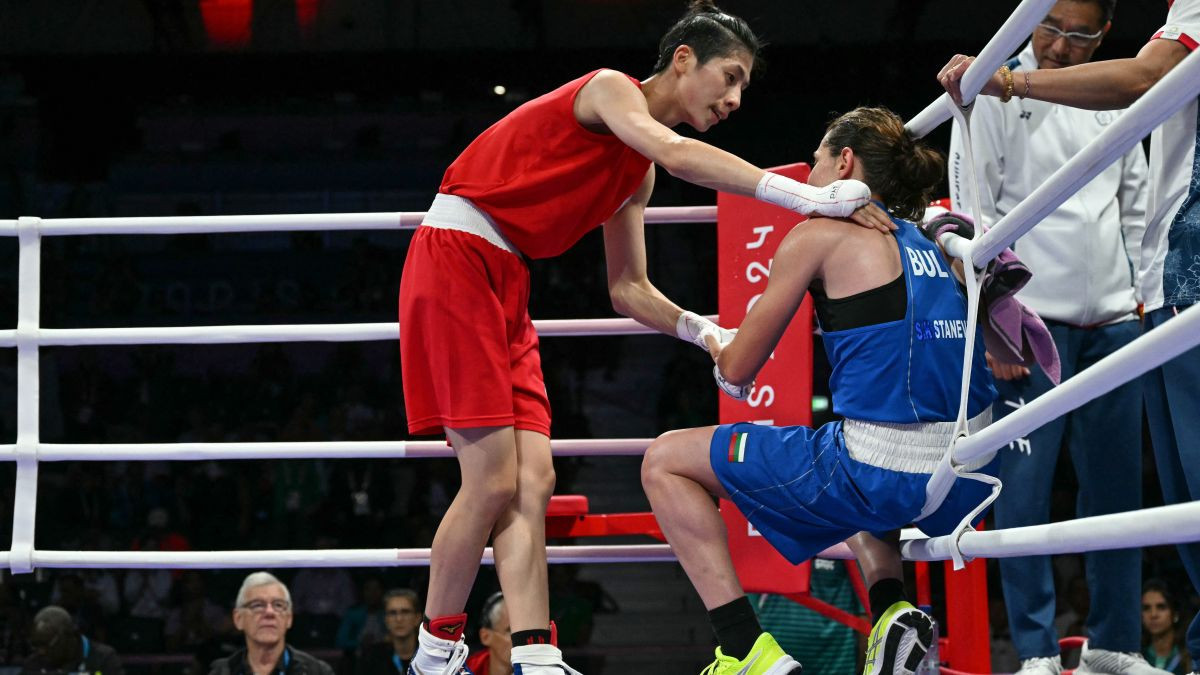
{"x":712,"y":667}
{"x":458,"y":657}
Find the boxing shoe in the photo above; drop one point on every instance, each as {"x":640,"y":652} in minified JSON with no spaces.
{"x":540,"y":660}
{"x":1041,"y":665}
{"x":436,"y":656}
{"x":1115,"y":663}
{"x":899,"y":641}
{"x":766,"y":657}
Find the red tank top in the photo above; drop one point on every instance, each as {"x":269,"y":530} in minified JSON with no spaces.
{"x":543,"y":178}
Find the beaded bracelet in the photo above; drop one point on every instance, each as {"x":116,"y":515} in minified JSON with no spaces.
{"x":1007,"y":76}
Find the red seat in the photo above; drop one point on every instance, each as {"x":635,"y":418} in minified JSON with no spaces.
{"x":567,"y":505}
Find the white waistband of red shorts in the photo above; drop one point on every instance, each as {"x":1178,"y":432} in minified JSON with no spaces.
{"x":912,"y":448}
{"x":458,"y":213}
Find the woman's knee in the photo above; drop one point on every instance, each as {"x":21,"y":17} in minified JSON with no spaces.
{"x":656,"y":463}
{"x":491,"y":491}
{"x":538,"y":481}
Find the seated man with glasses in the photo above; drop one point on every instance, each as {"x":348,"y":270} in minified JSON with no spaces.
{"x":401,"y":616}
{"x":263,"y":612}
{"x":57,"y":648}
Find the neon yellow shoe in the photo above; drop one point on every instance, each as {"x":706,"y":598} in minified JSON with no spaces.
{"x":766,"y":657}
{"x":899,"y":641}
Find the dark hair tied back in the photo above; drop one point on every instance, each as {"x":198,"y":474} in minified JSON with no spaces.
{"x":709,"y":32}
{"x":902,"y":170}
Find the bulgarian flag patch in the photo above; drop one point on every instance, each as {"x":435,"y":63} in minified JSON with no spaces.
{"x":737,"y":447}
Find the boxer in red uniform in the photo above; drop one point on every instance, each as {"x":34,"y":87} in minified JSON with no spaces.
{"x":533,"y":184}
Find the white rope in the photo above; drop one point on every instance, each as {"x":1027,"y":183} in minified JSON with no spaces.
{"x":1179,"y":87}
{"x":948,"y":470}
{"x":52,"y":227}
{"x":1146,"y":352}
{"x":92,"y":452}
{"x":1016,"y":30}
{"x":1174,"y":524}
{"x":346,"y":332}
{"x":378,"y":557}
{"x":1172,"y":92}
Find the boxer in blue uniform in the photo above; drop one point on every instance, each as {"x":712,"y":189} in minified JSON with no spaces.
{"x":894,"y":322}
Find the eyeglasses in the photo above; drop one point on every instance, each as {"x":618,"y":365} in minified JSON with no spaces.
{"x":1074,"y":38}
{"x":260,"y":606}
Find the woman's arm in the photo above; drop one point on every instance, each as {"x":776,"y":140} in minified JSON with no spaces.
{"x":629,"y":287}
{"x":609,"y":99}
{"x":795,"y":265}
{"x":1099,"y":85}
{"x":612,"y":100}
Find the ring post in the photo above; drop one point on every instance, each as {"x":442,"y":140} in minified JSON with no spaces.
{"x":29,"y":284}
{"x":967,"y":616}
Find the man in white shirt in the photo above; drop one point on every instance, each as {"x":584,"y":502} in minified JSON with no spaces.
{"x":1084,"y":259}
{"x":1169,"y":273}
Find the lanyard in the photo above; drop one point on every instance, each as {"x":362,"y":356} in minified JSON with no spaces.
{"x":87,"y":649}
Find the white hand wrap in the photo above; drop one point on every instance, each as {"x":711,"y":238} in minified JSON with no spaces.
{"x":837,"y":200}
{"x":731,"y":389}
{"x":693,"y":328}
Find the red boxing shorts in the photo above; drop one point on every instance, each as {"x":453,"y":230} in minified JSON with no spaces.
{"x":468,"y":350}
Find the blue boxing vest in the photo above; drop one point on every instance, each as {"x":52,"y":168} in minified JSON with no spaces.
{"x":910,"y":370}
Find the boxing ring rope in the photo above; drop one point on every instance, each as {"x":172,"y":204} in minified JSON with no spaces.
{"x":74,"y":452}
{"x":1169,"y":94}
{"x":345,"y":332}
{"x":407,"y":220}
{"x":29,"y":337}
{"x":382,"y":557}
{"x":1012,"y":33}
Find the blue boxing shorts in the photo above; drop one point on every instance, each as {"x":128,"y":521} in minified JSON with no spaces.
{"x":801,"y":489}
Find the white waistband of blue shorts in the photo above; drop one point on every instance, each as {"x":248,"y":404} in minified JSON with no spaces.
{"x":458,"y":213}
{"x":912,"y":448}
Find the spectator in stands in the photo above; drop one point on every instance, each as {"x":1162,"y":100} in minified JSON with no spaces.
{"x":59,"y":648}
{"x":97,"y":586}
{"x":14,"y":623}
{"x":323,"y":590}
{"x":1163,"y":642}
{"x":363,"y":624}
{"x":147,"y":593}
{"x":402,"y":615}
{"x":263,"y":612}
{"x":495,"y":633}
{"x":72,"y":596}
{"x":197,"y":622}
{"x":159,"y":535}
